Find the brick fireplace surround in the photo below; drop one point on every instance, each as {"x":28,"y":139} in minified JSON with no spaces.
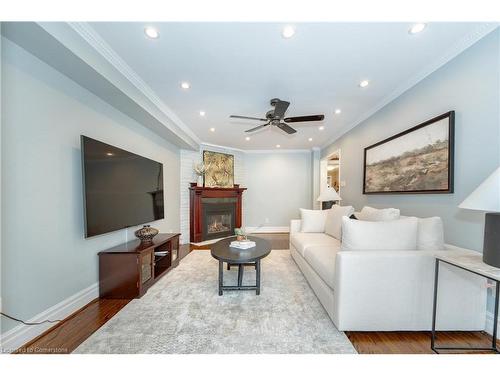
{"x":221,"y":202}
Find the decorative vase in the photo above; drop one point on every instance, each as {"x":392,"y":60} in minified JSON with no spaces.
{"x":199,"y":182}
{"x":146,"y":233}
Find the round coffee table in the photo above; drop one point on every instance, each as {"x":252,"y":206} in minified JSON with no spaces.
{"x":241,"y":257}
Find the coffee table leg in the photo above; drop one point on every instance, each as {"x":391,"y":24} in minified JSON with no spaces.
{"x":221,"y":280}
{"x":257,"y":272}
{"x":240,"y":274}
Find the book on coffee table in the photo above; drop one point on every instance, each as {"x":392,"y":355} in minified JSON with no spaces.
{"x":242,"y":244}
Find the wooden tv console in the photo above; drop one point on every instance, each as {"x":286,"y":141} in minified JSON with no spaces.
{"x":128,"y":270}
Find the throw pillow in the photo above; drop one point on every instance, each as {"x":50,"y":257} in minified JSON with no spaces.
{"x":381,"y":235}
{"x":430,"y":234}
{"x":375,"y":214}
{"x":313,"y":221}
{"x":333,"y":224}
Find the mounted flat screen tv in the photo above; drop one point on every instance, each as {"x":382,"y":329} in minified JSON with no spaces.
{"x":121,"y":189}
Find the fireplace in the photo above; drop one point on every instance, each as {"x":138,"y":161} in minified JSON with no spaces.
{"x":218,"y":217}
{"x":214,"y":212}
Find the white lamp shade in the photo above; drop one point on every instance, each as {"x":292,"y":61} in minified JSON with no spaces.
{"x":329,"y":194}
{"x":486,"y":197}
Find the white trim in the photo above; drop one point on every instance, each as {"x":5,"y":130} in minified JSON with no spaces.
{"x":104,"y":49}
{"x":252,"y":230}
{"x":450,"y":54}
{"x":219,"y":146}
{"x":272,"y":151}
{"x":21,"y":334}
{"x":489,"y":323}
{"x":279,"y":151}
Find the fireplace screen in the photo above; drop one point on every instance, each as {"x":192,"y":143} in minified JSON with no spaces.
{"x":219,"y":223}
{"x":218,"y":218}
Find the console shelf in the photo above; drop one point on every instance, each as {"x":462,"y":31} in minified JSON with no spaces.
{"x":128,"y":270}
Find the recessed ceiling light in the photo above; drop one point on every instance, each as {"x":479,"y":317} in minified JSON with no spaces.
{"x":202,"y":113}
{"x":288,"y":32}
{"x":338,"y":111}
{"x":310,"y":139}
{"x":364,"y":83}
{"x":321,"y":128}
{"x":278,"y":146}
{"x":151,"y":32}
{"x":417,"y":28}
{"x":212,"y":129}
{"x":247,"y":138}
{"x":185,"y":85}
{"x":109,"y":153}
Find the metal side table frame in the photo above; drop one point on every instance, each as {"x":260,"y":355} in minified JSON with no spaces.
{"x":434,"y":310}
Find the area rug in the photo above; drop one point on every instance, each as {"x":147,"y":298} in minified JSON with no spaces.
{"x":183,"y":313}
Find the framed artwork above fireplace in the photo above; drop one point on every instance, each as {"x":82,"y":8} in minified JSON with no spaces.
{"x":219,"y":169}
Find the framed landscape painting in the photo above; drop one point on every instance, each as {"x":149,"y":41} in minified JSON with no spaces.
{"x":219,"y":169}
{"x":418,"y":160}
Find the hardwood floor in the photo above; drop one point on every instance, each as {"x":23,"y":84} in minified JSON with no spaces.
{"x":417,"y":342}
{"x":67,"y":335}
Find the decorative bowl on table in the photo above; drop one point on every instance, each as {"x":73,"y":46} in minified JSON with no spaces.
{"x":146,"y":233}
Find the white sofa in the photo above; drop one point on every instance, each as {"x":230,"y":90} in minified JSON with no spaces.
{"x":387,"y":290}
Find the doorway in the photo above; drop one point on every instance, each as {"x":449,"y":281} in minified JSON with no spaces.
{"x":330,"y":174}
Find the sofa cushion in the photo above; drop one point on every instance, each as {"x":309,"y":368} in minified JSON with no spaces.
{"x":322,"y":260}
{"x":313,"y":221}
{"x":430,"y":233}
{"x":375,"y":214}
{"x":333,"y":224}
{"x":382,"y":235}
{"x":302,"y":241}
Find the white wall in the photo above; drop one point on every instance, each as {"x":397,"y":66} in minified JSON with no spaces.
{"x":46,"y":258}
{"x":279,"y":183}
{"x":469,"y":84}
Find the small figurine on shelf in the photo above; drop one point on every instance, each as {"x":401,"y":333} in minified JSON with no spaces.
{"x":240,"y":234}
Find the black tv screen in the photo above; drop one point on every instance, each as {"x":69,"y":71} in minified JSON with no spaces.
{"x":121,"y":189}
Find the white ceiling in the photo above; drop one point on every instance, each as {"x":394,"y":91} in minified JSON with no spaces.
{"x":236,"y":68}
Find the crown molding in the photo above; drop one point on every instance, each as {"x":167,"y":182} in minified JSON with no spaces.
{"x":84,"y":30}
{"x":272,"y":151}
{"x":466,"y":42}
{"x":280,"y":151}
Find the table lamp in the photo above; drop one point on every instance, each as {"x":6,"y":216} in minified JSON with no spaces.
{"x":486,"y":197}
{"x":328,"y":195}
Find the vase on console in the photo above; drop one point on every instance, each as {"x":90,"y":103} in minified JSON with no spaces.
{"x":146,"y":233}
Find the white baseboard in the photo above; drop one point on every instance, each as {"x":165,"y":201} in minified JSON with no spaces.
{"x":251,"y":230}
{"x":489,"y":323}
{"x":21,"y":334}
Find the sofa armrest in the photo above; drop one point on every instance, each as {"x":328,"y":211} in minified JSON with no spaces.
{"x":295,"y":225}
{"x":388,"y":290}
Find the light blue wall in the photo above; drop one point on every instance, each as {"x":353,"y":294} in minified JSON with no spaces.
{"x":279,"y":183}
{"x":469,"y":84}
{"x":45,"y":256}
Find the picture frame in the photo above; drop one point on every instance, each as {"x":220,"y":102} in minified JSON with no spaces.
{"x":419,"y":160}
{"x":219,"y":169}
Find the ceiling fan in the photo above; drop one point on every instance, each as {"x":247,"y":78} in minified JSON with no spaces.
{"x":276,"y":117}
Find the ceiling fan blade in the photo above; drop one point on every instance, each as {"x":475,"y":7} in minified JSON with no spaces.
{"x":248,"y":118}
{"x":280,"y":108}
{"x":256,"y":128}
{"x":305,"y":118}
{"x":286,"y":128}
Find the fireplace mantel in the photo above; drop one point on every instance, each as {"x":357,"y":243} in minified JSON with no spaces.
{"x":196,"y":195}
